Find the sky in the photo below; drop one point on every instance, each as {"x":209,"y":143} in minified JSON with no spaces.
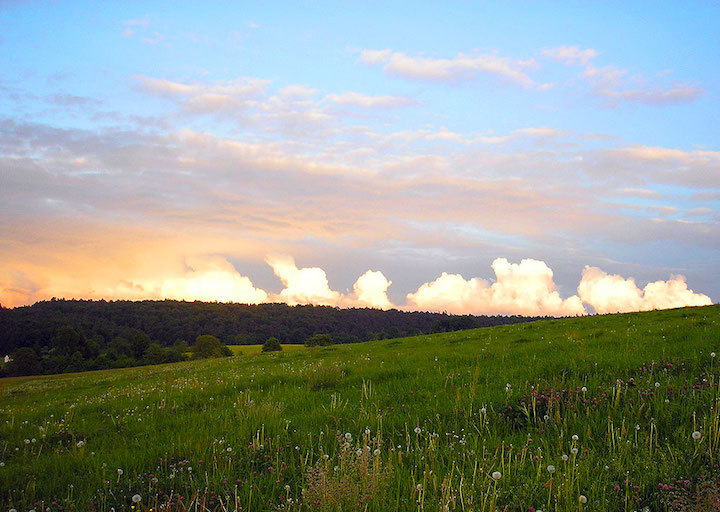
{"x":544,"y":158}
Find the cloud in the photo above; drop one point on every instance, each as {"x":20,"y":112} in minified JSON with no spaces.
{"x":679,"y":93}
{"x":310,"y":286}
{"x":608,"y":293}
{"x":570,"y":55}
{"x":213,"y":279}
{"x":358,"y":99}
{"x":526,"y":288}
{"x":302,"y":285}
{"x":371,"y":291}
{"x":461,"y":67}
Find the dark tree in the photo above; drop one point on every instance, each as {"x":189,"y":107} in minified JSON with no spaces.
{"x":272,"y":345}
{"x":319,"y":340}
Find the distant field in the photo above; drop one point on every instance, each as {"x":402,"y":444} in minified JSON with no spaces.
{"x":614,"y":413}
{"x":256,"y":349}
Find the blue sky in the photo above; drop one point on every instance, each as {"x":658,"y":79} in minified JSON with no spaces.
{"x":217,"y":138}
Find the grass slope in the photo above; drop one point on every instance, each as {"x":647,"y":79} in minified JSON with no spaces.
{"x":410,"y":424}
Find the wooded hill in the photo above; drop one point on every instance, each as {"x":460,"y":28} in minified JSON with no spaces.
{"x":170,"y":322}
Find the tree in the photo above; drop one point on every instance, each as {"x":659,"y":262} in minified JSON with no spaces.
{"x":207,"y":345}
{"x":272,"y":345}
{"x":319,"y":340}
{"x":24,"y":361}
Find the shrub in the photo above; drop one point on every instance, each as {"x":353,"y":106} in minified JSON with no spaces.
{"x":319,"y":340}
{"x":271,"y":345}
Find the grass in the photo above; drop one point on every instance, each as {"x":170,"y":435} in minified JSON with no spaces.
{"x":247,"y":350}
{"x":422,"y":423}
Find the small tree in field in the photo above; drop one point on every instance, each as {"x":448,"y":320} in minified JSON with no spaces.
{"x":271,"y":345}
{"x":319,"y":340}
{"x":207,"y":345}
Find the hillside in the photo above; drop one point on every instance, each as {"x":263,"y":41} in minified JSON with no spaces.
{"x":168,"y":321}
{"x":614,"y":413}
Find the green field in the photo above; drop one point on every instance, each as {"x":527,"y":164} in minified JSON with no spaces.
{"x":610,"y":403}
{"x":247,"y":350}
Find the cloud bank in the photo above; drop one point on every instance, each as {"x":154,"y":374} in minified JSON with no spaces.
{"x":614,"y":294}
{"x":525,"y":288}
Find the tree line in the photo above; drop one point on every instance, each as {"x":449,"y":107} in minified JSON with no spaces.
{"x":76,"y":335}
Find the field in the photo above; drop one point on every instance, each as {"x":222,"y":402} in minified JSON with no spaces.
{"x":615,"y":413}
{"x":247,"y":350}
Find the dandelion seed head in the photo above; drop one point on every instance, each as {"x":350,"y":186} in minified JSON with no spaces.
{"x":582,"y":499}
{"x":497,"y":475}
{"x":696,"y":435}
{"x":136,"y":498}
{"x":551,"y":469}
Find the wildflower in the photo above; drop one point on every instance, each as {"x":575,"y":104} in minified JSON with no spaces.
{"x":575,"y":437}
{"x":696,"y":435}
{"x":326,"y":456}
{"x":136,"y":498}
{"x":497,"y":475}
{"x":80,"y":443}
{"x":712,"y":354}
{"x":27,"y":441}
{"x":287,"y":488}
{"x":564,"y":457}
{"x":2,"y":464}
{"x":551,"y":469}
{"x":376,"y":452}
{"x":418,"y":430}
{"x":120,"y":472}
{"x":358,"y":452}
{"x":582,"y":499}
{"x":348,"y":436}
{"x":583,"y":389}
{"x":574,"y":451}
{"x":657,"y":384}
{"x":418,"y":487}
{"x":228,"y":449}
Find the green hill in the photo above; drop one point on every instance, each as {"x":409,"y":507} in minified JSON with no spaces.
{"x":594,"y":413}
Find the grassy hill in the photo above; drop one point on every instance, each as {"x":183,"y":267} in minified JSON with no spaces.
{"x":594,"y":413}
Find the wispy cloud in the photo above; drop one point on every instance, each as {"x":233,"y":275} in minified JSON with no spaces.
{"x":616,"y":85}
{"x":358,"y":99}
{"x":459,"y":68}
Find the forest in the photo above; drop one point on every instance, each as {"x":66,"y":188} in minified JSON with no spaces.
{"x":59,"y":335}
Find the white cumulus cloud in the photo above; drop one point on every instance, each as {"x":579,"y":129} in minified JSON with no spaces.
{"x":611,"y":293}
{"x":212,"y":280}
{"x":526,"y":288}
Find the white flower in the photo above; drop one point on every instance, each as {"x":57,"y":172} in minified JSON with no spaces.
{"x":348,"y":436}
{"x":287,"y":488}
{"x":120,"y":472}
{"x":228,"y":449}
{"x":564,"y":457}
{"x":712,"y":354}
{"x":2,"y":464}
{"x":418,"y":430}
{"x":418,"y":487}
{"x":551,"y":469}
{"x":574,"y":451}
{"x":483,"y":410}
{"x":582,"y":499}
{"x":376,"y":452}
{"x":696,"y":435}
{"x":584,"y":389}
{"x":497,"y":475}
{"x":27,"y":441}
{"x":80,"y":443}
{"x":136,"y":498}
{"x":657,"y":384}
{"x":575,"y":437}
{"x":358,"y":452}
{"x":546,"y":417}
{"x":326,"y":456}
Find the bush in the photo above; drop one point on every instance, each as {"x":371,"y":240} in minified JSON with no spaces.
{"x":319,"y":340}
{"x":207,"y":346}
{"x":271,"y":345}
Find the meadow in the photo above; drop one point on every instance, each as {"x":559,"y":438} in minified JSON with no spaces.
{"x":601,"y":413}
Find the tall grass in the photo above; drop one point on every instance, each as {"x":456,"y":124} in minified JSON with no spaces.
{"x":591,"y":414}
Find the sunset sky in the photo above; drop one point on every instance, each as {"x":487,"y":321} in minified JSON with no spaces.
{"x":496,"y":157}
